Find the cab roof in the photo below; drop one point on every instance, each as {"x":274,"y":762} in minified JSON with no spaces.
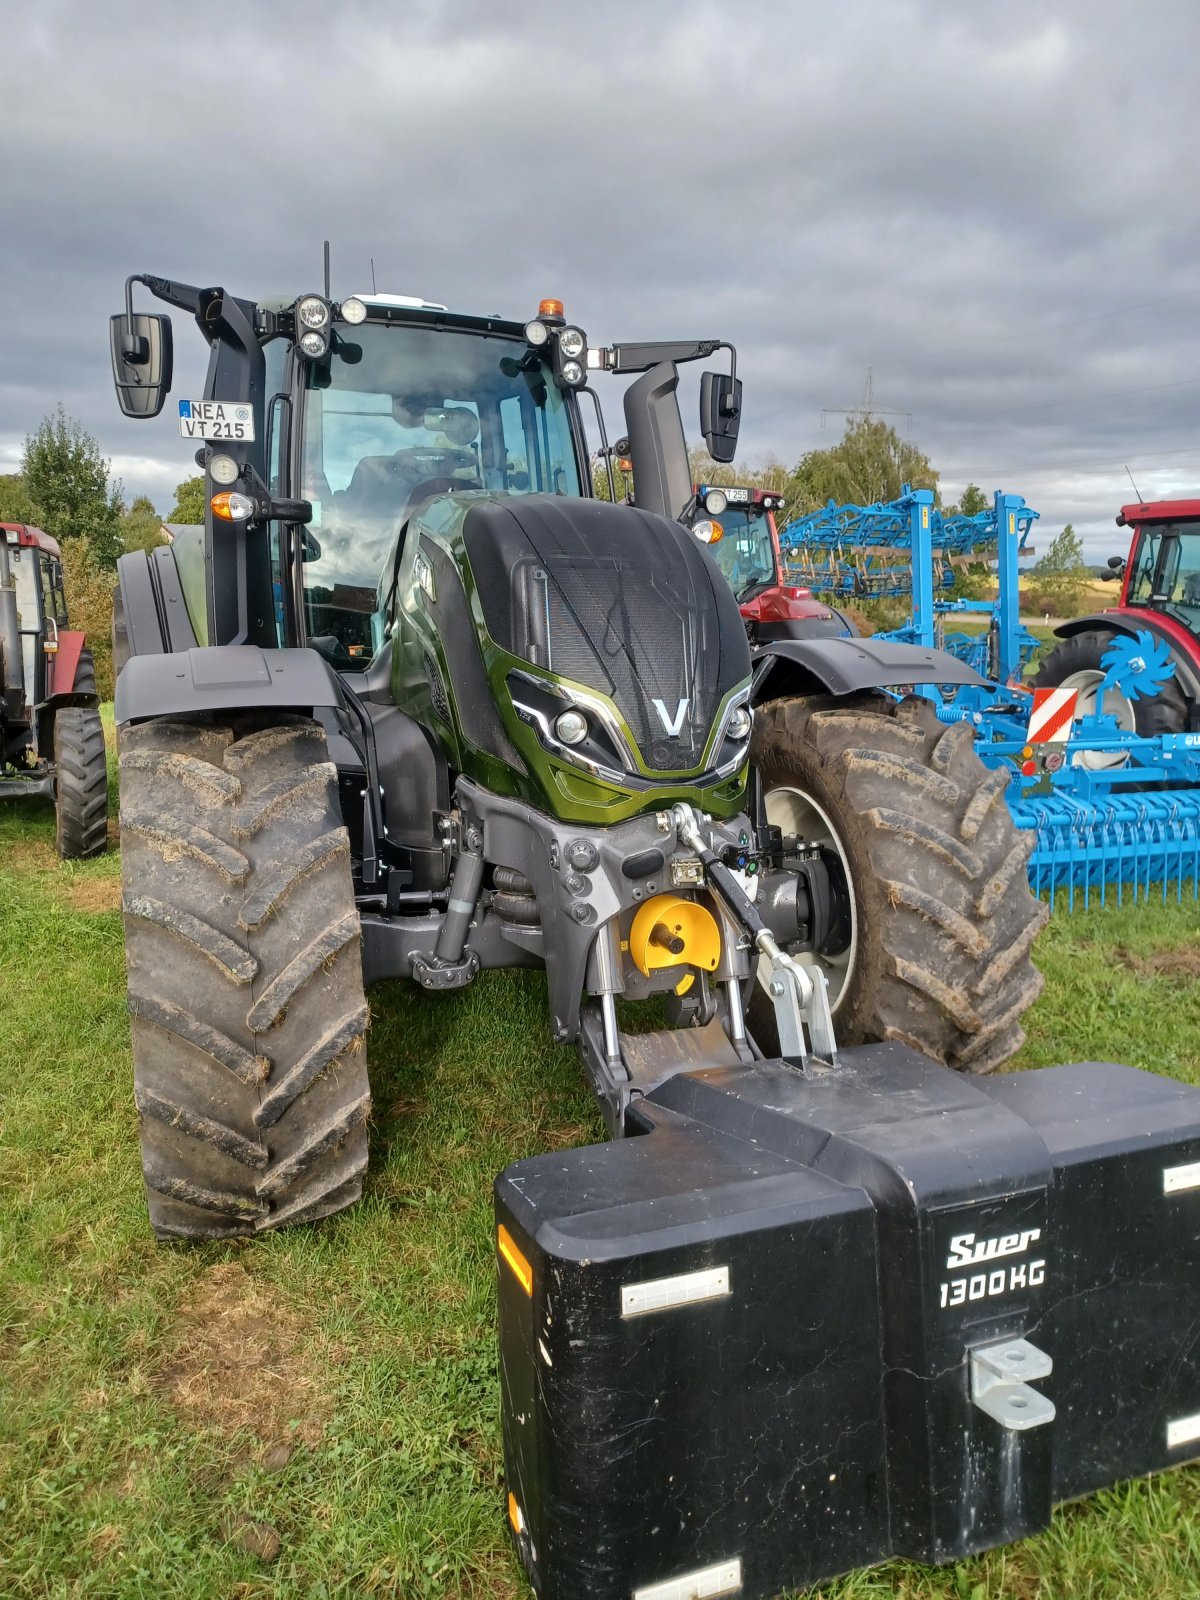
{"x":31,"y":537}
{"x":1159,"y":511}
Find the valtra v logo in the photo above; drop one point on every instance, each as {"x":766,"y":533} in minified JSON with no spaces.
{"x":673,"y":728}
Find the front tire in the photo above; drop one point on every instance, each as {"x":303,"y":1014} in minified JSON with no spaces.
{"x":80,"y":784}
{"x":938,"y":955}
{"x":245,"y":978}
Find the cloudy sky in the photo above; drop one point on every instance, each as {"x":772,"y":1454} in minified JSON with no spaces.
{"x":992,"y":207}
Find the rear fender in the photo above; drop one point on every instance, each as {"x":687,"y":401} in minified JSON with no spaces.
{"x":849,"y":666}
{"x":66,"y":662}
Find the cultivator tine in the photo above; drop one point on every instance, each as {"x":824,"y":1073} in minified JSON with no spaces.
{"x":1133,"y":845}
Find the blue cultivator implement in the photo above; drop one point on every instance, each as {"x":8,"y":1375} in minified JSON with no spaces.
{"x":1108,"y":808}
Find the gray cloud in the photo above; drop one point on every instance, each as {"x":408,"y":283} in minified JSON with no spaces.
{"x":992,"y":206}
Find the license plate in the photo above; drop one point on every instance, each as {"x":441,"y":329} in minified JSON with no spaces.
{"x":216,"y":419}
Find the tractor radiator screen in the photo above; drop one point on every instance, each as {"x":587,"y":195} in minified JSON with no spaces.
{"x":618,"y":600}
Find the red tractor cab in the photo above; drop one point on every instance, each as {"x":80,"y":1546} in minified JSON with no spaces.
{"x":745,"y":545}
{"x":1160,"y":595}
{"x":51,"y":737}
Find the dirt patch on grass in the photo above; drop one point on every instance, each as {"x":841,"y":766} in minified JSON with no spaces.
{"x":31,"y":855}
{"x":94,"y":895}
{"x":241,"y":1362}
{"x":1178,"y":963}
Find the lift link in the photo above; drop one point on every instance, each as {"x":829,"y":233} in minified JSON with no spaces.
{"x":799,"y":994}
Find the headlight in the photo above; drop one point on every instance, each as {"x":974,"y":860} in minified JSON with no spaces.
{"x":312,"y":311}
{"x":353,"y":310}
{"x":572,"y":343}
{"x":313,"y":344}
{"x":571,"y":727}
{"x":536,"y":333}
{"x":572,"y":373}
{"x":716,"y":501}
{"x":741,"y":721}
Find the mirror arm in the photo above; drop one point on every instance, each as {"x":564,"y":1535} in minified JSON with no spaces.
{"x":604,"y":451}
{"x":184,"y":296}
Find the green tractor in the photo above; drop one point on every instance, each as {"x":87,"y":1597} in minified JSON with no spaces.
{"x":413,"y":703}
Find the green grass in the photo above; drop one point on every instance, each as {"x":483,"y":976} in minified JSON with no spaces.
{"x":123,"y":1461}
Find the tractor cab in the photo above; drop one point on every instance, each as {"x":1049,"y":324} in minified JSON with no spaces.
{"x":35,"y":569}
{"x":51,"y":738}
{"x":744,"y":542}
{"x":333,"y":425}
{"x":1162,"y":573}
{"x":1160,"y":598}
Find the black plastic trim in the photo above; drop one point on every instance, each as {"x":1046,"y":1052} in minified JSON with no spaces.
{"x":225,"y":678}
{"x":847,"y":666}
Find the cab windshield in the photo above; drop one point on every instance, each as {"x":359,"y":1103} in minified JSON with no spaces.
{"x":1166,"y":572}
{"x":745,"y":554}
{"x":396,"y":415}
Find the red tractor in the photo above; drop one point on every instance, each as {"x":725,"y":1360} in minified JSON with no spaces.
{"x":746,"y":549}
{"x":51,"y":738}
{"x":1160,"y":595}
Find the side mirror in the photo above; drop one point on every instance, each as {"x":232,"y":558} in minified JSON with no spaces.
{"x":720,"y":414}
{"x":142,"y":359}
{"x":1116,"y":564}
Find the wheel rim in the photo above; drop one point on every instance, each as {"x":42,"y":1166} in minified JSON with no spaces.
{"x":1086,"y":685}
{"x":795,"y":812}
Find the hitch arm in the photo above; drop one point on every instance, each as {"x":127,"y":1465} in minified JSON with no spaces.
{"x":799,"y":994}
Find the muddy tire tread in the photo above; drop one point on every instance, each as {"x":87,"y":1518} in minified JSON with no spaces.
{"x":246,"y":999}
{"x":946,"y":919}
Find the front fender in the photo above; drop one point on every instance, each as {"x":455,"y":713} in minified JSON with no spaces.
{"x":232,"y":677}
{"x":849,"y":666}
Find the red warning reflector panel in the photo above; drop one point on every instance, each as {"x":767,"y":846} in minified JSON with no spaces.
{"x":1052,"y":715}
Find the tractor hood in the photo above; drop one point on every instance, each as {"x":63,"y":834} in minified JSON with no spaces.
{"x":619,"y":601}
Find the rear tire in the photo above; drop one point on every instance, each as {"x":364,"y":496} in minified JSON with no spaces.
{"x":245,"y":977}
{"x":80,"y":783}
{"x":943,"y":917}
{"x":1080,"y":657}
{"x":85,"y":673}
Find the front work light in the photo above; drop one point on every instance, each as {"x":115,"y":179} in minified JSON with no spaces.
{"x":572,"y":343}
{"x":715,"y":501}
{"x":536,"y":333}
{"x":312,"y":312}
{"x":224,"y":469}
{"x":354,"y":311}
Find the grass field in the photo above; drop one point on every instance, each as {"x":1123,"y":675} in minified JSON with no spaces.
{"x":315,"y":1413}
